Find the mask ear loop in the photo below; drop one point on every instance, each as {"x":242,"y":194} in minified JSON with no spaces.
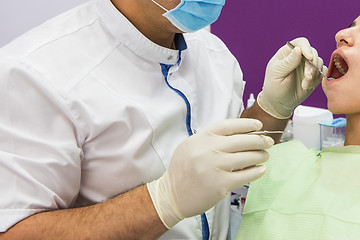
{"x":160,"y":6}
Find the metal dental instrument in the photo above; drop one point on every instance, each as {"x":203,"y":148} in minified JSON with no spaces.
{"x":327,"y":78}
{"x":265,"y":132}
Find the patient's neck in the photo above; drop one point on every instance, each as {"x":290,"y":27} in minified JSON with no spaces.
{"x":352,"y":135}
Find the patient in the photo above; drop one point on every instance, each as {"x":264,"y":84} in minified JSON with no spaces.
{"x":309,"y":195}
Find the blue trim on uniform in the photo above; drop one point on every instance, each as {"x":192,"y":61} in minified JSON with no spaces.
{"x":205,"y":227}
{"x":180,"y":42}
{"x":181,"y":45}
{"x":165,"y":69}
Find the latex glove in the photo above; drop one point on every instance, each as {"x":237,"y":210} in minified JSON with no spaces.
{"x":289,"y":80}
{"x":207,"y":166}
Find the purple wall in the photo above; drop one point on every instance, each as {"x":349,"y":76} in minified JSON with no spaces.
{"x":254,"y":30}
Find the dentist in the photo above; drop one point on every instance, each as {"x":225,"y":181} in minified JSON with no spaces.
{"x":120,"y":120}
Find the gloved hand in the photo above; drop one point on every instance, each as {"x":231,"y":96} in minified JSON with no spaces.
{"x":289,"y":80}
{"x":208,"y":165}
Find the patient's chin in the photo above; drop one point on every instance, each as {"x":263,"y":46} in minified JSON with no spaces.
{"x":338,"y":108}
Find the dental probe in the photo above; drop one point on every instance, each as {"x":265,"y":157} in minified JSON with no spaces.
{"x":329,"y":79}
{"x":265,"y":132}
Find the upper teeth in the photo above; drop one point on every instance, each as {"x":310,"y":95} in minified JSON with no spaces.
{"x":338,"y":64}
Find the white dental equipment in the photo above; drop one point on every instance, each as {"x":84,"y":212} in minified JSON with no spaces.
{"x":332,"y":133}
{"x":306,"y":126}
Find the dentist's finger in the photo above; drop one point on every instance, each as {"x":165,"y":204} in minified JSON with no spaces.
{"x":305,"y":47}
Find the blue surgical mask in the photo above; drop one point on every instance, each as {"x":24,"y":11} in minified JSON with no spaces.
{"x":193,"y":15}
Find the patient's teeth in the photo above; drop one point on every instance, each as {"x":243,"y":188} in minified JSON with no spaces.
{"x":339,"y":65}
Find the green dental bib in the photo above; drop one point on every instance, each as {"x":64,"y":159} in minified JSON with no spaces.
{"x":305,"y":195}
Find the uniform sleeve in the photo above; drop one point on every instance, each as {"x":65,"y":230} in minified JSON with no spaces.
{"x":40,"y":158}
{"x":239,"y":87}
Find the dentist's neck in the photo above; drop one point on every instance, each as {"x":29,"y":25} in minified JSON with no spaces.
{"x":147,"y":17}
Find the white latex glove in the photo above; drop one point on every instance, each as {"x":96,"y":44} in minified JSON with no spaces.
{"x":289,"y":80}
{"x":207,"y":166}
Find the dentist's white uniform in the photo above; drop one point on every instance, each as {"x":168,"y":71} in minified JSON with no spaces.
{"x":86,"y":113}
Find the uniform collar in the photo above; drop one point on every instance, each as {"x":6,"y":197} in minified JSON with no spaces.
{"x":128,"y":35}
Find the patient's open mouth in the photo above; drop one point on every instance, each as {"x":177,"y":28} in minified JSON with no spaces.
{"x":339,"y":67}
